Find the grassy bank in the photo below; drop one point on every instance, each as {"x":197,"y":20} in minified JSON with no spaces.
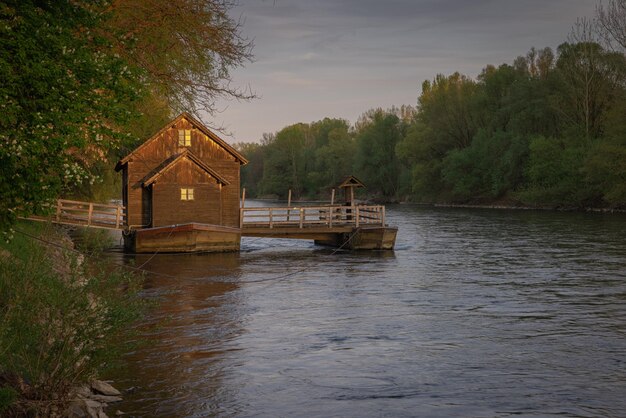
{"x":61,"y":317}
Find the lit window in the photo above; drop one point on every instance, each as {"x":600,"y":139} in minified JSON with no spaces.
{"x":186,"y":194}
{"x":184,"y":137}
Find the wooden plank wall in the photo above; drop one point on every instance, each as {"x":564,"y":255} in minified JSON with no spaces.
{"x":144,"y":162}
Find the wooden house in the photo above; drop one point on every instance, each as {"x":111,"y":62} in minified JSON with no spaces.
{"x":180,"y":182}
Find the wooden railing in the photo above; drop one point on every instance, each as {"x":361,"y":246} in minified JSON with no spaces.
{"x":310,"y":216}
{"x":96,"y":215}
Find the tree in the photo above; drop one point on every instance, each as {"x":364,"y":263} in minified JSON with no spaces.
{"x":335,"y":159}
{"x":446,"y":107}
{"x":66,"y":97}
{"x":252,"y":172}
{"x":488,"y":169}
{"x":611,"y":21}
{"x":376,"y":160}
{"x":589,"y":81}
{"x":285,"y":164}
{"x":185,"y":47}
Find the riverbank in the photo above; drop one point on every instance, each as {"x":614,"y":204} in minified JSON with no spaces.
{"x":64,"y":313}
{"x":508,"y":205}
{"x":514,"y":207}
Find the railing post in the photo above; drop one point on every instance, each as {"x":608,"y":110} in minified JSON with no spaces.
{"x":117,"y":217}
{"x":383,"y":217}
{"x":301,"y":217}
{"x":357,"y":216}
{"x":331,"y":213}
{"x":59,"y":210}
{"x":271,"y":220}
{"x":241,"y":217}
{"x":89,"y":214}
{"x":288,"y":205}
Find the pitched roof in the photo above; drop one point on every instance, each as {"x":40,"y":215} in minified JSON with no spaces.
{"x":351,"y":181}
{"x":198,"y":125}
{"x":186,"y":154}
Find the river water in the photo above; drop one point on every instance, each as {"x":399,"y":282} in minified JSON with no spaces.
{"x":478,"y":313}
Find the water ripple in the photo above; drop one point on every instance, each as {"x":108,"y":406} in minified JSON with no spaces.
{"x":477,"y":313}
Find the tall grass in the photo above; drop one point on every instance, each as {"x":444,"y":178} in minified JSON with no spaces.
{"x":58,"y":328}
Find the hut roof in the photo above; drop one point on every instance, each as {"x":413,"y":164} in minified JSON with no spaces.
{"x":351,"y":181}
{"x":242,"y":160}
{"x":185,"y":154}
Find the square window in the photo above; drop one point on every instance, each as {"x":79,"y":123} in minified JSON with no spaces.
{"x":186,"y":194}
{"x":184,"y":137}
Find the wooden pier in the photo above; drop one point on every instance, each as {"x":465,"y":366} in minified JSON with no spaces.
{"x":354,"y":227}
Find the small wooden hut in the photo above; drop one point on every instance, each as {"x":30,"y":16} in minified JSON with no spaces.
{"x":348,"y":185}
{"x":183,"y":175}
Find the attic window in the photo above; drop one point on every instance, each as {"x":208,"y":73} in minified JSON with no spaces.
{"x":184,"y":137}
{"x":186,"y":194}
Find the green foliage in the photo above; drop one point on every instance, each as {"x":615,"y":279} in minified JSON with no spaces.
{"x":60,"y":320}
{"x":285,"y":161}
{"x":589,"y":81}
{"x":605,"y":169}
{"x":376,"y":161}
{"x":555,"y":174}
{"x":64,"y":96}
{"x":306,"y":158}
{"x":333,"y":159}
{"x":491,"y":166}
{"x":447,"y":106}
{"x":253,"y":171}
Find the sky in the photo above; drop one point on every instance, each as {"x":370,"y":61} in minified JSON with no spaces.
{"x":339,"y":58}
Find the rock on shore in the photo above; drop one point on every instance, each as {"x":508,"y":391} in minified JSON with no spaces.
{"x":90,"y":400}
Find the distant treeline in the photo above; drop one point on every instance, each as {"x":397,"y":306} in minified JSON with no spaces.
{"x":547,"y":130}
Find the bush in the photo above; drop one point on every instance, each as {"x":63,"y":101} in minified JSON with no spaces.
{"x":58,"y":330}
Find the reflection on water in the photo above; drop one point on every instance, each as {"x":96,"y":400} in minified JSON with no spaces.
{"x":477,"y":313}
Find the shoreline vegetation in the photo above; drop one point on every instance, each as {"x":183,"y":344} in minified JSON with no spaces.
{"x":495,"y":205}
{"x":63,"y":316}
{"x":545,"y":130}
